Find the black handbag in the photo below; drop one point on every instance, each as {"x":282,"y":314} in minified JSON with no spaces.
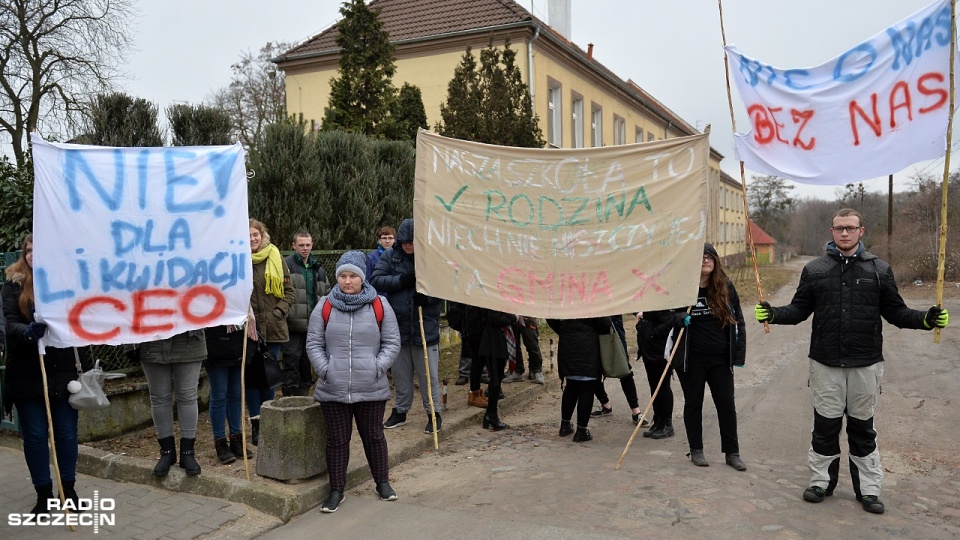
{"x":263,"y":368}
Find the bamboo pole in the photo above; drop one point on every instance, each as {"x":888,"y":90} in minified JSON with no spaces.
{"x":653,"y":396}
{"x":942,"y":251}
{"x":53,"y":444}
{"x":743,"y":179}
{"x":426,"y":366}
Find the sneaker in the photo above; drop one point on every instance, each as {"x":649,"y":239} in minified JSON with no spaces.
{"x":815,"y":494}
{"x":330,"y":505}
{"x":871,"y":503}
{"x":513,"y":377}
{"x":386,"y":492}
{"x":486,"y":393}
{"x":663,"y":432}
{"x":601,"y":411}
{"x":538,"y":378}
{"x":396,"y":419}
{"x":428,"y":429}
{"x":461,"y":380}
{"x":636,"y":420}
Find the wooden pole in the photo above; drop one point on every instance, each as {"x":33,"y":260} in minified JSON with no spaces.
{"x":743,"y":179}
{"x":643,"y":415}
{"x":942,"y":251}
{"x":426,"y":366}
{"x":890,"y":220}
{"x":243,"y":400}
{"x":53,"y":444}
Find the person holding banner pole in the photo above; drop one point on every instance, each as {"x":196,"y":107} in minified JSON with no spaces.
{"x":848,"y":290}
{"x":395,"y":276}
{"x":715,"y":342}
{"x":272,"y":297}
{"x":41,"y":408}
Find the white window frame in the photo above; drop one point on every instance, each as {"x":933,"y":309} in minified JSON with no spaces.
{"x":554,"y":114}
{"x":596,"y":125}
{"x":638,"y":135}
{"x":619,"y":130}
{"x":576,"y":117}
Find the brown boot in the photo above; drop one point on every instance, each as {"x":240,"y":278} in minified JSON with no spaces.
{"x":476,"y":399}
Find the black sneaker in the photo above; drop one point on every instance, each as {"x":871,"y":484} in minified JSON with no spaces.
{"x":396,"y":419}
{"x":461,"y":380}
{"x":601,"y":411}
{"x":386,"y":492}
{"x":330,"y":505}
{"x":428,"y":429}
{"x":871,"y":503}
{"x":815,"y":494}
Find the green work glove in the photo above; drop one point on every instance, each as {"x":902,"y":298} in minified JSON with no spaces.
{"x":936,"y":317}
{"x":763,"y":312}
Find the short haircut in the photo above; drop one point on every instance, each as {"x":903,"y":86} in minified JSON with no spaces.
{"x":386,"y":231}
{"x":847,"y":212}
{"x":300,"y":234}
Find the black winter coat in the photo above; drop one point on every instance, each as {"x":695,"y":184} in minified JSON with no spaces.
{"x":652,"y":336}
{"x":489,"y":342}
{"x":393,"y":264}
{"x":578,"y":350}
{"x":23,"y":380}
{"x":848,"y":296}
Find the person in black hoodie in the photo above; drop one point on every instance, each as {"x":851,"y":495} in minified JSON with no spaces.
{"x":23,"y":386}
{"x":651,"y":340}
{"x":484,"y":337}
{"x":714,"y":342}
{"x":578,"y":364}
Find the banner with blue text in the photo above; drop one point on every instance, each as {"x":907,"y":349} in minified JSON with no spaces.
{"x":561,"y":233}
{"x":138,"y":244}
{"x":874,"y":110}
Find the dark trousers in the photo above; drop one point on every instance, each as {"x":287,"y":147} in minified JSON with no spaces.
{"x":295,"y":367}
{"x":720,"y":378}
{"x":339,"y":418}
{"x":36,"y":448}
{"x":495,"y":368}
{"x":663,"y":403}
{"x":577,"y":394}
{"x":627,"y":384}
{"x":530,"y":335}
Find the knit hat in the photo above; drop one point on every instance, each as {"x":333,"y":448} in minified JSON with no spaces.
{"x":708,"y":249}
{"x":405,"y":231}
{"x":353,"y":261}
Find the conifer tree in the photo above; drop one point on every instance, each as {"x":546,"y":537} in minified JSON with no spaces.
{"x":363,"y":92}
{"x":490,"y":103}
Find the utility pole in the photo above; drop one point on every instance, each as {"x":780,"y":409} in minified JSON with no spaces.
{"x":890,"y":221}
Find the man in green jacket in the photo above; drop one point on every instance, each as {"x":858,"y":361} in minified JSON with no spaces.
{"x":310,"y":284}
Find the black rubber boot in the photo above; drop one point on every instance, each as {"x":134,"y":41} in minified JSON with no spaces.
{"x":255,"y":431}
{"x":70,"y":494}
{"x":224,"y":455}
{"x":187,"y":460}
{"x":236,"y":446}
{"x":44,"y":493}
{"x":168,"y":456}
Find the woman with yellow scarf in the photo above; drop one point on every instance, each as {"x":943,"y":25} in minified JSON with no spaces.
{"x":270,"y":301}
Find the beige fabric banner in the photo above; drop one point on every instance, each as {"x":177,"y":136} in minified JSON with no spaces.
{"x":561,"y":233}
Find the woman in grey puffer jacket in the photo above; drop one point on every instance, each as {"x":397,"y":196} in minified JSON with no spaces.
{"x":351,"y":349}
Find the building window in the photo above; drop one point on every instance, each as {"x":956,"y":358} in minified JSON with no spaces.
{"x":596,"y":126}
{"x":650,"y":137}
{"x":619,"y":130}
{"x":577,"y":121}
{"x":554,"y":118}
{"x":639,"y":137}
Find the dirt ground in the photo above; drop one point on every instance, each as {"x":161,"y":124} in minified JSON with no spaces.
{"x":767,"y":356}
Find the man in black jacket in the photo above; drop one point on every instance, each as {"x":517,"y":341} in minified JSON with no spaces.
{"x":310,"y":284}
{"x":848,"y":290}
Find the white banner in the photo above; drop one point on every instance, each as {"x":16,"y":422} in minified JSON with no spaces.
{"x":138,"y":244}
{"x":561,"y":233}
{"x":872,"y":111}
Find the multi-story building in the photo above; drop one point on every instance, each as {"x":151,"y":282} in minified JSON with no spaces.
{"x":580,"y":102}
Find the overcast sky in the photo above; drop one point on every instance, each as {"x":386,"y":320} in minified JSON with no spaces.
{"x":673,"y":50}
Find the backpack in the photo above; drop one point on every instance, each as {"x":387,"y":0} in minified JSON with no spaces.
{"x":456,"y":315}
{"x":377,"y":311}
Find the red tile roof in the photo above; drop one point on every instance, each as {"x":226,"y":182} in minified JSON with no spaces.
{"x":760,"y":236}
{"x":408,"y":19}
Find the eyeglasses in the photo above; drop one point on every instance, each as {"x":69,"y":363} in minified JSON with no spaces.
{"x":708,"y":258}
{"x":386,"y":237}
{"x":850,"y":230}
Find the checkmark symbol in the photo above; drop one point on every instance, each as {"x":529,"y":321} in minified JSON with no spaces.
{"x":453,"y":201}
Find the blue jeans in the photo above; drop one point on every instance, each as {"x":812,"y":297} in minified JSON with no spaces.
{"x":224,"y":399}
{"x":256,"y":397}
{"x":33,"y":428}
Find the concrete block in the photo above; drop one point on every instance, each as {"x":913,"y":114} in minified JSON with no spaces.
{"x":293,"y":439}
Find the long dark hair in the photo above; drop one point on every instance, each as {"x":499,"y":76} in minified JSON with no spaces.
{"x":718,"y":296}
{"x":21,"y":270}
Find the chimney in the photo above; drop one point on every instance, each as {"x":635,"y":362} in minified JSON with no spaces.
{"x":589,"y":51}
{"x":559,"y":15}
